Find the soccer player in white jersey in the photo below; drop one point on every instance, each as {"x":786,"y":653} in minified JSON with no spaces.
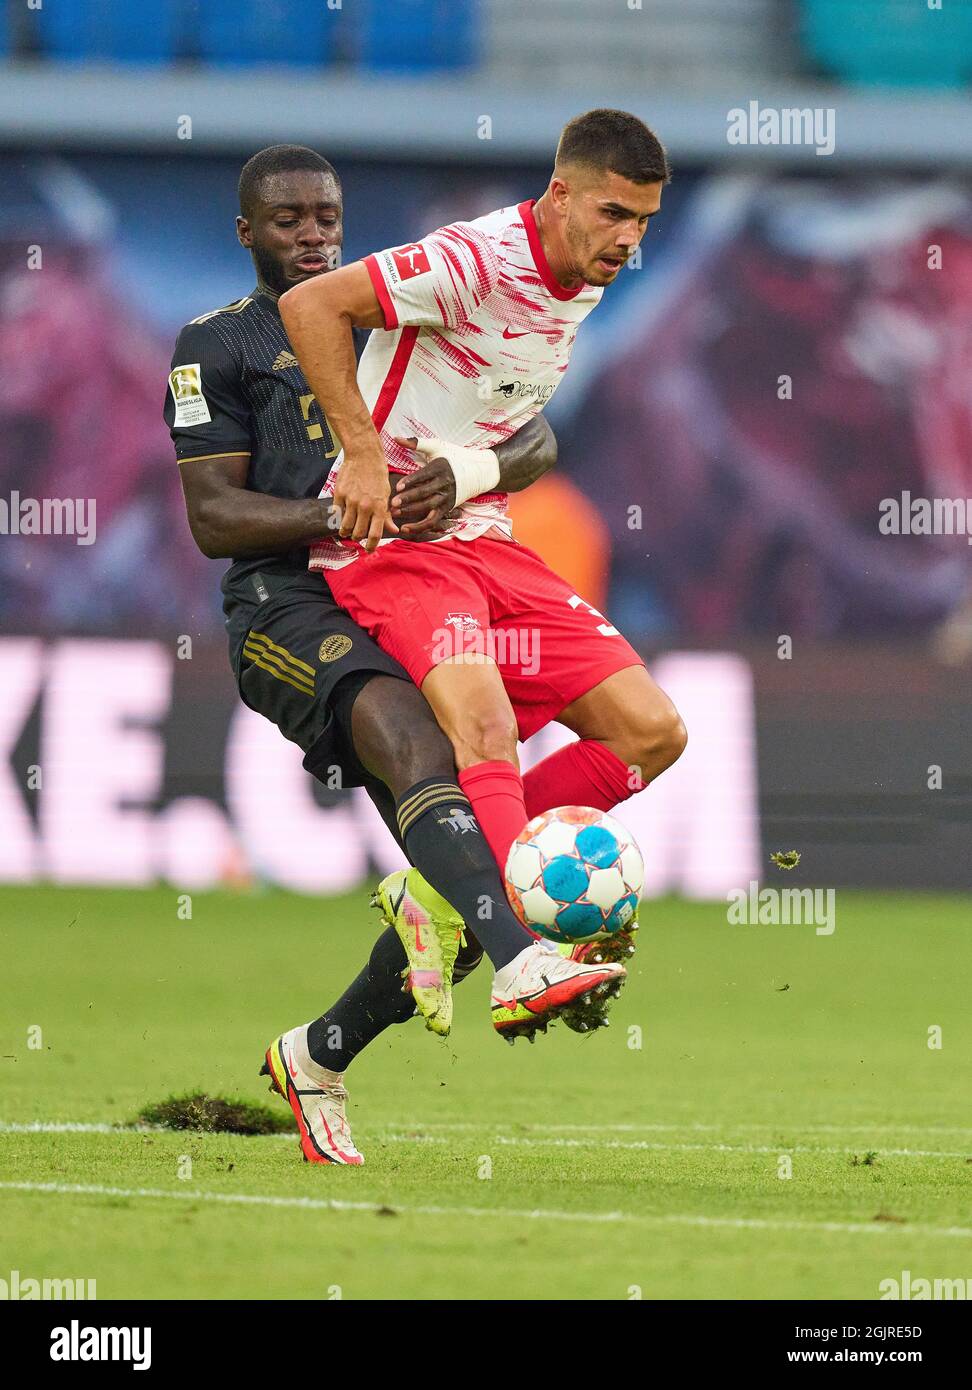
{"x":478,"y":322}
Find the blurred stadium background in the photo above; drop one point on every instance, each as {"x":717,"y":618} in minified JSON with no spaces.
{"x":711,"y":516}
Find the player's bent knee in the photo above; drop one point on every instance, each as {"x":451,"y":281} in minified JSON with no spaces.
{"x":670,"y":738}
{"x":678,"y":738}
{"x":661,"y":741}
{"x":485,"y":736}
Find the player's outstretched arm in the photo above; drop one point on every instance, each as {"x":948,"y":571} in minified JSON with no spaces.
{"x":209,"y":418}
{"x":318,"y":316}
{"x":229,"y":521}
{"x":452,"y":474}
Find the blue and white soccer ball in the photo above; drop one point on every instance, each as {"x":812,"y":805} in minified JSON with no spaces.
{"x":574,"y":873}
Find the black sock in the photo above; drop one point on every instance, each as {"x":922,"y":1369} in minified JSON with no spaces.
{"x":469,"y":956}
{"x":373,"y":1002}
{"x":444,"y":842}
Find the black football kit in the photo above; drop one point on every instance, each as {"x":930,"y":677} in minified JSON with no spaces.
{"x":236,"y":388}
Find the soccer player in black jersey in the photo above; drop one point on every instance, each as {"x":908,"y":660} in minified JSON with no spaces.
{"x":254,"y":448}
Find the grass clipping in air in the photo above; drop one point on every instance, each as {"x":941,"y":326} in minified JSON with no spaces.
{"x":214,"y":1115}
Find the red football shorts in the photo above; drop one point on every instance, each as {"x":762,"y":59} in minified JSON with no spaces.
{"x":425,"y":602}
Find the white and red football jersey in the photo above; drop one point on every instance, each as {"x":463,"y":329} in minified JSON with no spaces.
{"x":478,"y":335}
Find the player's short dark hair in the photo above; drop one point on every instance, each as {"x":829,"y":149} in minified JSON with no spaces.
{"x":277,"y":159}
{"x":615,"y":141}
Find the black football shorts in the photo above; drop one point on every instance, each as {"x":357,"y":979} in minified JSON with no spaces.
{"x":300,"y":660}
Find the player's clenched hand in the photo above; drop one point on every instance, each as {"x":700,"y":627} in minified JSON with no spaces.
{"x":361,"y":493}
{"x":423,"y":499}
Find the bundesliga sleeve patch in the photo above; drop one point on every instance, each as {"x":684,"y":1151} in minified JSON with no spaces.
{"x":410,"y":261}
{"x":191,"y":406}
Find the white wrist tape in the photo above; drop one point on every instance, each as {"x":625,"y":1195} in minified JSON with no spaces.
{"x":475,"y":470}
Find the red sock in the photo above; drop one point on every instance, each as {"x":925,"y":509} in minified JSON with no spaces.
{"x":584,"y":773}
{"x":496,"y":792}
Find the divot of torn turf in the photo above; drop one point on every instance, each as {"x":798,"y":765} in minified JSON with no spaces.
{"x":213,"y":1115}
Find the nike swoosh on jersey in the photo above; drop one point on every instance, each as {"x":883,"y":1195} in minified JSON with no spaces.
{"x":508,"y":334}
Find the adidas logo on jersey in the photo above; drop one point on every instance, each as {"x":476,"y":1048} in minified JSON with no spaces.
{"x":284,"y":360}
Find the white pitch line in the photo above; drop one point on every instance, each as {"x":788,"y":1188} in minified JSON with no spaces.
{"x":495,"y":1213}
{"x":691,"y":1128}
{"x":412,"y":1135}
{"x":67,"y":1127}
{"x":653,"y":1146}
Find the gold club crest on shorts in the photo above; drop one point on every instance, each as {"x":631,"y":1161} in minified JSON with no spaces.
{"x":334,"y":647}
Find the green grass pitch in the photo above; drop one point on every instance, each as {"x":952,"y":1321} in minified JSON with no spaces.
{"x":643,"y":1161}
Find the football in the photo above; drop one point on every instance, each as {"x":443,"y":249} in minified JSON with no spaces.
{"x":574,"y":873}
